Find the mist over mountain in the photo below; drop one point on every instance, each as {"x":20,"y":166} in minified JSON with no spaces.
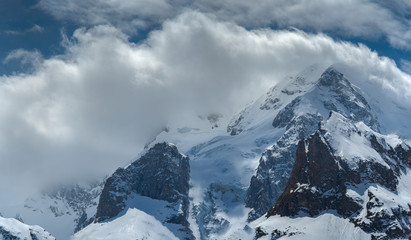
{"x":205,"y":120}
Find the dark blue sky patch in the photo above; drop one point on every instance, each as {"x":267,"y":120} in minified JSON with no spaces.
{"x":382,"y":47}
{"x":26,"y":26}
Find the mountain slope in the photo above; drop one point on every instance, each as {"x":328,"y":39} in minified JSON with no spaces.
{"x":332,"y":92}
{"x":158,"y":183}
{"x":12,"y":229}
{"x":223,"y":166}
{"x":268,"y":105}
{"x":238,"y":170}
{"x":350,"y":169}
{"x":62,"y":210}
{"x":135,"y":224}
{"x":323,"y":227}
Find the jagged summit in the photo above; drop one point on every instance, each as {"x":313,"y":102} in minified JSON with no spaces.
{"x":62,"y":210}
{"x":332,"y":92}
{"x":348,"y":168}
{"x":285,"y":154}
{"x":13,"y":229}
{"x":161,"y":174}
{"x":135,"y":224}
{"x":275,"y":99}
{"x":300,"y":118}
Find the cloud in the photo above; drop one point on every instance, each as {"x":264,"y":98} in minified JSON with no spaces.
{"x":368,"y":19}
{"x":28,"y":59}
{"x":406,"y":66}
{"x":130,"y":16}
{"x":90,"y":110}
{"x":34,"y":29}
{"x":357,"y":18}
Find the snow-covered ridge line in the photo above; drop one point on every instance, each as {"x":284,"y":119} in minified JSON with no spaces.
{"x":11,"y":228}
{"x":345,"y":168}
{"x":135,"y":224}
{"x":261,"y":145}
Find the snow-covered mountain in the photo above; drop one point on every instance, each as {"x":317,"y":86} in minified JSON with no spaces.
{"x":323,"y":150}
{"x":277,"y":122}
{"x":349,"y":170}
{"x":332,"y":92}
{"x":13,"y":229}
{"x":158,"y":183}
{"x":134,"y":224}
{"x":62,"y":210}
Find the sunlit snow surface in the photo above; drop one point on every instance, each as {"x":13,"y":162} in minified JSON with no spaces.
{"x":392,"y":111}
{"x":217,"y":157}
{"x":222,"y":166}
{"x":323,"y":227}
{"x":20,"y":230}
{"x":54,"y":212}
{"x":327,"y":226}
{"x":348,"y":142}
{"x":135,"y":224}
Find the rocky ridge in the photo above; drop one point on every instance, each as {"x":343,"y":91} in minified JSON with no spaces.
{"x":162,"y":173}
{"x":349,"y":169}
{"x":13,"y":229}
{"x":341,"y":171}
{"x":300,"y":118}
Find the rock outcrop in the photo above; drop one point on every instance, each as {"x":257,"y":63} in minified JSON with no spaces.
{"x":300,"y":118}
{"x":13,"y":229}
{"x":162,"y":173}
{"x":353,"y":171}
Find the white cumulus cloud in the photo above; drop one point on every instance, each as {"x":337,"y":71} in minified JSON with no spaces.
{"x":354,"y":18}
{"x":90,"y":110}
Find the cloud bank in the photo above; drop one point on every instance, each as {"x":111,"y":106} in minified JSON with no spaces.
{"x":355,"y":18}
{"x":34,"y":29}
{"x":90,"y":110}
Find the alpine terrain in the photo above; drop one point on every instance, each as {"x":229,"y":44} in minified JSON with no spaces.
{"x":322,"y":155}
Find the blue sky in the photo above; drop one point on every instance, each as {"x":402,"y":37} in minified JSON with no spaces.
{"x":86,"y":83}
{"x":32,"y":25}
{"x":18,"y":31}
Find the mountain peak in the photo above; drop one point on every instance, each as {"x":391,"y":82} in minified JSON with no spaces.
{"x":13,"y":229}
{"x":269,"y":104}
{"x":300,"y":118}
{"x":162,"y":174}
{"x":332,"y":78}
{"x":342,"y":168}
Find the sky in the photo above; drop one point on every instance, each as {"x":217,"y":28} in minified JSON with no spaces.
{"x":86,"y":83}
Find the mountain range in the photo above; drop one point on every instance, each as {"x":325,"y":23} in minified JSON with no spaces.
{"x":322,"y":155}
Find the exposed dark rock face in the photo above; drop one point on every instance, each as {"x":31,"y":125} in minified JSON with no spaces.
{"x":333,"y":92}
{"x":346,"y":99}
{"x":83,"y":221}
{"x":34,"y":234}
{"x":275,"y":165}
{"x":316,"y":183}
{"x":321,"y":179}
{"x":259,"y":233}
{"x":218,"y":198}
{"x":79,"y":199}
{"x":300,"y":118}
{"x":75,"y":201}
{"x":271,"y":103}
{"x":275,"y":99}
{"x":7,"y":235}
{"x":162,"y":173}
{"x":384,"y":223}
{"x":235,"y":128}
